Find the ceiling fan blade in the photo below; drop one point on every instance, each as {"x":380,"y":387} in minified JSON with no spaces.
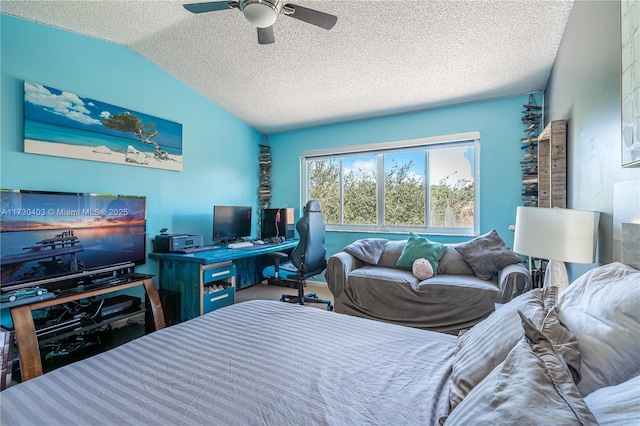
{"x":211,"y":6}
{"x":266,"y":36}
{"x":310,"y":16}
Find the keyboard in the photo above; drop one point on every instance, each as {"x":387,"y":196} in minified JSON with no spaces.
{"x":240,"y":244}
{"x":190,"y":250}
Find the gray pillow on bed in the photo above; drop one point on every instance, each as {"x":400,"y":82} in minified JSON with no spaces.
{"x":487,"y":254}
{"x":368,"y":250}
{"x":488,"y":343}
{"x":531,"y":386}
{"x":602,"y":308}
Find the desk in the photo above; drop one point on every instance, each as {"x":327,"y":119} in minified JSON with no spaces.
{"x":187,"y":273}
{"x":28,"y":348}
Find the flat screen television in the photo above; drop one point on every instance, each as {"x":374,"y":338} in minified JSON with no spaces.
{"x":47,"y":238}
{"x":231,"y":223}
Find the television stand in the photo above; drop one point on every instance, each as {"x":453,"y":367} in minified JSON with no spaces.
{"x":25,"y":331}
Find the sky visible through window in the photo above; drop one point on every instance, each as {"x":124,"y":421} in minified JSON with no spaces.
{"x":451,"y":161}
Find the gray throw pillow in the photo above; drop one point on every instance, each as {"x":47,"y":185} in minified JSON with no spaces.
{"x":368,"y":250}
{"x":487,"y":254}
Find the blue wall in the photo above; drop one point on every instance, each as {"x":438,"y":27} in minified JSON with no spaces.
{"x":220,"y":152}
{"x":500,"y":126}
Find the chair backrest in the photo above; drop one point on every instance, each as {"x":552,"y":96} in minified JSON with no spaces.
{"x":309,"y":256}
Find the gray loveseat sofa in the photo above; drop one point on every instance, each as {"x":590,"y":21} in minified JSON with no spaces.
{"x":452,"y":300}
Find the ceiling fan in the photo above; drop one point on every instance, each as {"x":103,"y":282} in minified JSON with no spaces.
{"x":263,"y":13}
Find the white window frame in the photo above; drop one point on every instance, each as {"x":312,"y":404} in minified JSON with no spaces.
{"x":382,"y":148}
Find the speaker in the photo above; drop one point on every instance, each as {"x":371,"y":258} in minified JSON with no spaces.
{"x":170,"y":301}
{"x":278,"y":222}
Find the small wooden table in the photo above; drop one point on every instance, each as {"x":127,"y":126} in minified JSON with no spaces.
{"x":28,"y":348}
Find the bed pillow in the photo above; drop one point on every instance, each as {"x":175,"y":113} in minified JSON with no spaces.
{"x":487,"y":344}
{"x":368,"y":250}
{"x":616,"y":405}
{"x":532,"y":386}
{"x":601,"y":308}
{"x":418,"y":247}
{"x":487,"y":254}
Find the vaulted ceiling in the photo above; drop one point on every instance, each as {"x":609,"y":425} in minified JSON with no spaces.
{"x":381,"y":58}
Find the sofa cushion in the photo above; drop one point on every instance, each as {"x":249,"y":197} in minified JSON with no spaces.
{"x":487,"y":254}
{"x":453,"y":263}
{"x":369,"y":275}
{"x":391,"y":253}
{"x":418,"y":247}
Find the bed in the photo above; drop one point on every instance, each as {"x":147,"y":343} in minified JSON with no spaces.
{"x":272,"y":363}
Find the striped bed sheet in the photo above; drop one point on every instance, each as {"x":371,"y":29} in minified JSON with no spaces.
{"x":254,"y":363}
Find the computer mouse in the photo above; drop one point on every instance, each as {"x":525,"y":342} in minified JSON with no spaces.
{"x":258,"y":242}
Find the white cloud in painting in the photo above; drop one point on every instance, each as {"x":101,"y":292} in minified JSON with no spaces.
{"x":66,"y":104}
{"x":105,"y":114}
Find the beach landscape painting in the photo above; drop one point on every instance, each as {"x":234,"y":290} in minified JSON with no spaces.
{"x":64,"y":124}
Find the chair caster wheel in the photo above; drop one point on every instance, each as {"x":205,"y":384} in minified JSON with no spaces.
{"x":329,"y":308}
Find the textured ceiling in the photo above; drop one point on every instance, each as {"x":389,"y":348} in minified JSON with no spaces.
{"x":381,"y":58}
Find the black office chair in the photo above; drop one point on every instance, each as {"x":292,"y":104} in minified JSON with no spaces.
{"x":306,"y":260}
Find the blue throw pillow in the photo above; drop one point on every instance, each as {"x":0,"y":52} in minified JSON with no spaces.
{"x":418,"y":247}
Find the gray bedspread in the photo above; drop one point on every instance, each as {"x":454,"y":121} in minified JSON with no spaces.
{"x":253,"y":363}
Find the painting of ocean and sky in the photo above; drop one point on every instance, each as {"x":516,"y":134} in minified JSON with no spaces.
{"x":64,"y":124}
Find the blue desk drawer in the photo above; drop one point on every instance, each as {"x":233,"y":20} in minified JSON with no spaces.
{"x":219,"y":273}
{"x":218,"y":299}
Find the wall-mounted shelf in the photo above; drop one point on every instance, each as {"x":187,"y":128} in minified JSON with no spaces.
{"x":531,"y":117}
{"x":552,"y":165}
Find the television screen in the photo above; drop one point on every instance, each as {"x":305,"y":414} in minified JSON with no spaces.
{"x":44,"y":235}
{"x":231,"y":222}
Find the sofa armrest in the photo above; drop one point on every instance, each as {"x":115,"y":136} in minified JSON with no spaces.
{"x":514,"y":280}
{"x":339,"y":267}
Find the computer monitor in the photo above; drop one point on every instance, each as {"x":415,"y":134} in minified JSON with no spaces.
{"x":231,"y":223}
{"x":278,"y":223}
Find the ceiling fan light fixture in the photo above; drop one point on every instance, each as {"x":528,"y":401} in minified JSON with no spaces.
{"x":260,"y":13}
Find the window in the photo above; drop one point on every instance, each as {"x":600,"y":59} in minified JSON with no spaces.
{"x":425,"y":185}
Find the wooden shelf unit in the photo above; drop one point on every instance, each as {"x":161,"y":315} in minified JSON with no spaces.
{"x":552,"y":165}
{"x":25,"y":331}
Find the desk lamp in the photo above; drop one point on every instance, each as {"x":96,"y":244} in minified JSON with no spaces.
{"x":560,"y":235}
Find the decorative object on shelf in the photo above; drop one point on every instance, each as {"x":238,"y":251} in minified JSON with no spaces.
{"x":264,"y":191}
{"x":531,"y":116}
{"x":560,"y":235}
{"x":630,"y":88}
{"x":552,"y":165}
{"x":118,"y":135}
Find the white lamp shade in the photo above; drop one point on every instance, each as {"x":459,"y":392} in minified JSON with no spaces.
{"x":564,"y":235}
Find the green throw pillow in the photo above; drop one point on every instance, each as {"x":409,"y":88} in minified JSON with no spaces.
{"x":418,"y":247}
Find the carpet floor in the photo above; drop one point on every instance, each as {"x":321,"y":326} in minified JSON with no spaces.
{"x":271,"y":292}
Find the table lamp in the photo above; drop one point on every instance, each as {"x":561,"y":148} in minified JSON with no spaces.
{"x":559,"y":235}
